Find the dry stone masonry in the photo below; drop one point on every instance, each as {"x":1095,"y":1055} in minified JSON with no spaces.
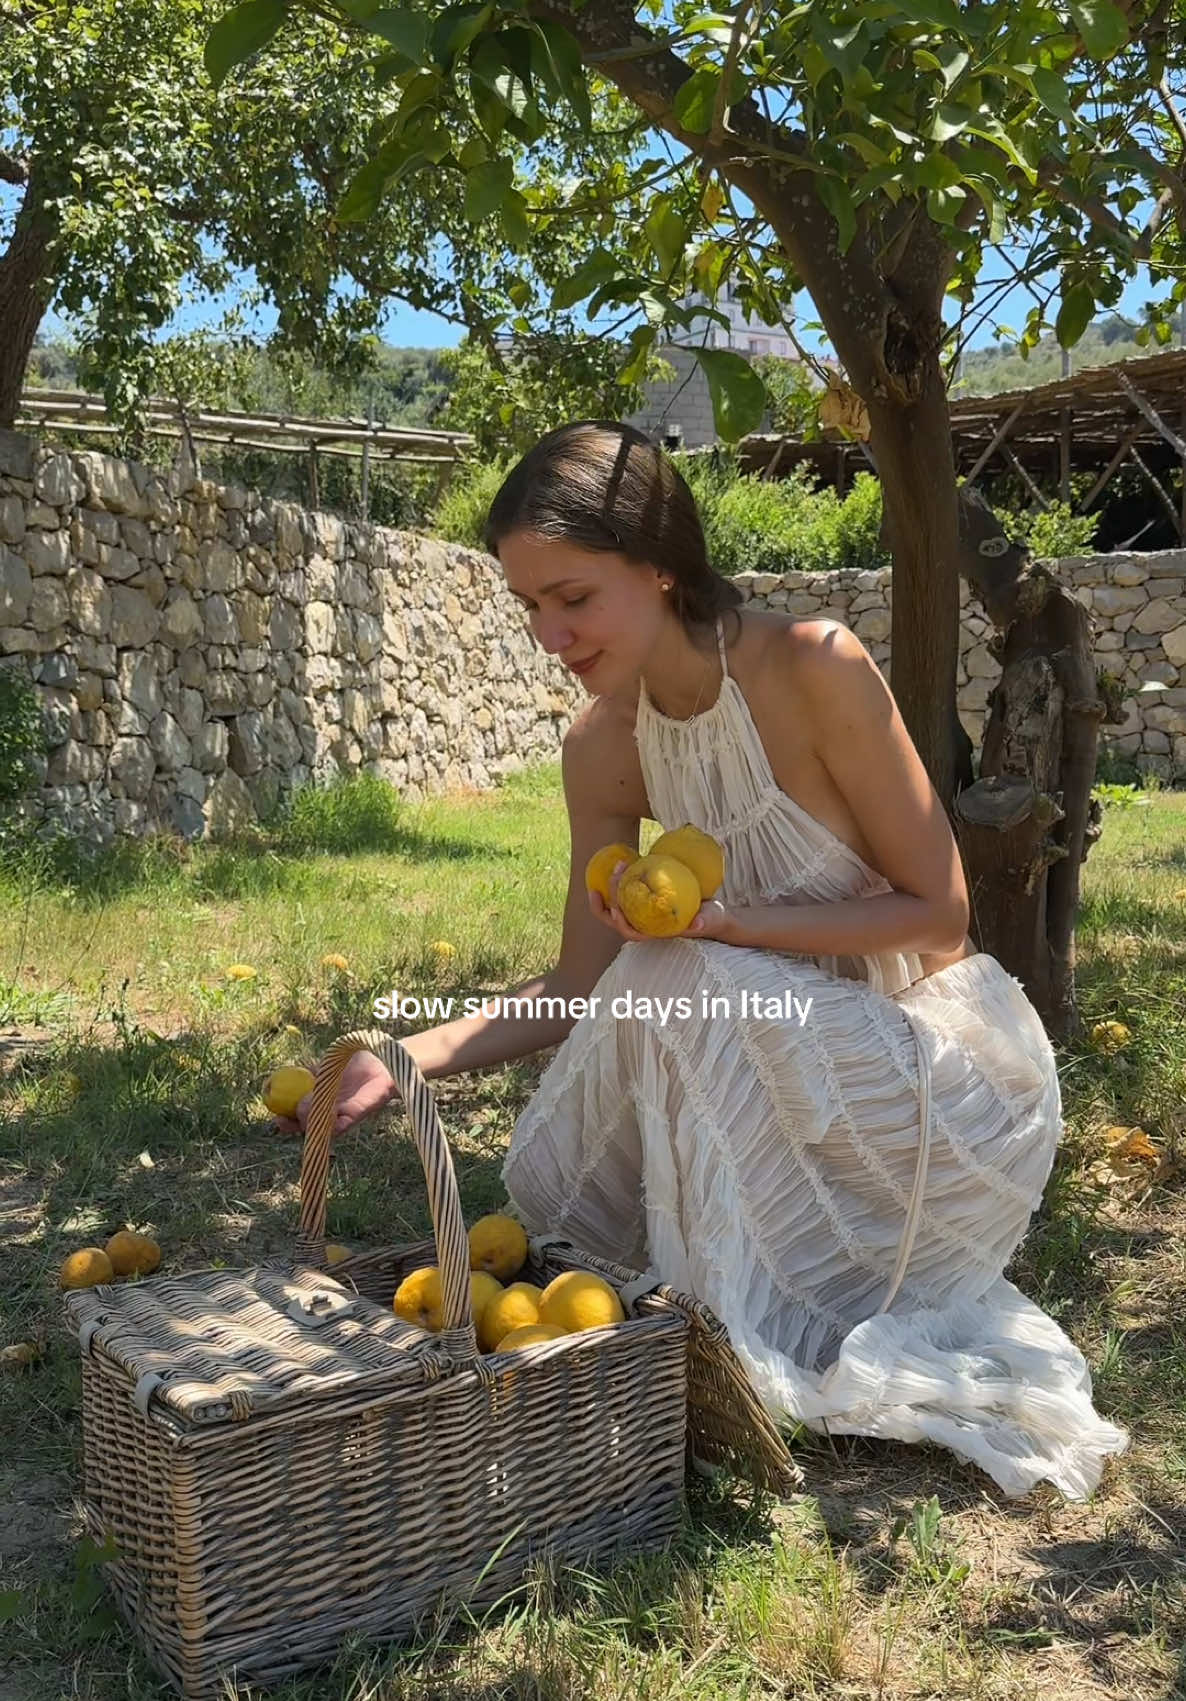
{"x":199,"y":651}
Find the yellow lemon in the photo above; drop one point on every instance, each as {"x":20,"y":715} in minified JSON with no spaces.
{"x":697,"y":851}
{"x":601,"y":865}
{"x":528,"y":1336}
{"x":86,"y":1269}
{"x":498,"y":1244}
{"x":514,"y":1308}
{"x":336,"y":1254}
{"x":240,"y":971}
{"x":577,"y":1299}
{"x":1109,"y":1037}
{"x":658,"y":895}
{"x":418,"y":1297}
{"x":286,"y":1087}
{"x":334,"y":960}
{"x":443,"y":948}
{"x":133,"y":1254}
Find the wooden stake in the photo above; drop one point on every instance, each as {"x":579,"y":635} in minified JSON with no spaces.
{"x":1158,"y":487}
{"x":1132,"y":434}
{"x":1018,"y":468}
{"x":1151,"y":414}
{"x":1001,"y":434}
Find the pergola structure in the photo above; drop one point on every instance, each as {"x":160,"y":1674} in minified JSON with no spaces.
{"x":1091,"y":421}
{"x":354,"y":439}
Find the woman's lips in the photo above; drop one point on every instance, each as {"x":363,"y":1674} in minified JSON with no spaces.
{"x":583,"y":667}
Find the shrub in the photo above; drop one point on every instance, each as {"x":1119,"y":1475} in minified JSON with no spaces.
{"x":355,"y":812}
{"x":22,"y":734}
{"x":1052,"y":532}
{"x":783,"y":526}
{"x":460,"y":516}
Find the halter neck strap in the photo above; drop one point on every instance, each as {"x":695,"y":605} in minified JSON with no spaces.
{"x":721,"y":647}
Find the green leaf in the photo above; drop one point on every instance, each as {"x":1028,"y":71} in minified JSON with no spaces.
{"x":455,"y":29}
{"x":943,"y":14}
{"x":241,"y":32}
{"x":569,"y":68}
{"x":368,"y":185}
{"x":950,"y":120}
{"x":515,"y":223}
{"x":835,"y":195}
{"x":1051,"y":90}
{"x":1074,"y":315}
{"x":666,"y":232}
{"x":486,"y":187}
{"x":943,"y":204}
{"x":696,"y":100}
{"x":598,"y":269}
{"x":1102,"y":25}
{"x":407,"y":32}
{"x":738,"y":394}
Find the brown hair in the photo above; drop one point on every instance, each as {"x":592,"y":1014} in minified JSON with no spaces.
{"x":605,"y":486}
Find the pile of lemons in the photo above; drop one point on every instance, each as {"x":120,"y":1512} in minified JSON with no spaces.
{"x":517,"y":1314}
{"x":125,"y":1254}
{"x":660,"y":893}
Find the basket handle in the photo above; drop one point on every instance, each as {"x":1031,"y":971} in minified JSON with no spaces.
{"x":444,"y":1202}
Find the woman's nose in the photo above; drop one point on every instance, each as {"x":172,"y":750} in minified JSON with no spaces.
{"x":554,"y":637}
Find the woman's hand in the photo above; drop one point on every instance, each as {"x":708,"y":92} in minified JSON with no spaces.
{"x":711,"y":921}
{"x":366,"y":1086}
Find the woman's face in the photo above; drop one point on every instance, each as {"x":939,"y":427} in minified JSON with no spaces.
{"x":599,"y":613}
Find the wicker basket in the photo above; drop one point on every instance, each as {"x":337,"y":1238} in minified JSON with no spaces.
{"x":281,"y":1461}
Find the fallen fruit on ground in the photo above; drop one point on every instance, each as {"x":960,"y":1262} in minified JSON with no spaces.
{"x":132,"y":1254}
{"x":1109,"y":1037}
{"x":86,"y":1268}
{"x":498,"y":1245}
{"x":578,"y":1299}
{"x":286,"y":1087}
{"x":698,"y":851}
{"x":601,"y":865}
{"x":528,"y":1336}
{"x":658,"y":895}
{"x":418,"y":1297}
{"x":516,"y":1307}
{"x":336,"y":1254}
{"x":17,"y":1357}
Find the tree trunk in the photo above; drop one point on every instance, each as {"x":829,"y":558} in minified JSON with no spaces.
{"x":24,"y":295}
{"x":1027,"y":824}
{"x":912,"y":447}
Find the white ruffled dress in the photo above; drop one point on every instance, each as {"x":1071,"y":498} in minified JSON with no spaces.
{"x":845,"y":1190}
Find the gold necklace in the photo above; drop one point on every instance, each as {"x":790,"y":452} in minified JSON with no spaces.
{"x":680,"y":719}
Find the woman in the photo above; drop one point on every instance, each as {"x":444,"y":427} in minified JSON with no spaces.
{"x":838,"y":1144}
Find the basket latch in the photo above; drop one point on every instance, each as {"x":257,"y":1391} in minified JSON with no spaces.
{"x":320,"y":1306}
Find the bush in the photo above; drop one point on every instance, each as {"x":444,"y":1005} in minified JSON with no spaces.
{"x":460,"y":516}
{"x":355,"y":812}
{"x":1052,"y":532}
{"x":760,"y":526}
{"x":22,"y":735}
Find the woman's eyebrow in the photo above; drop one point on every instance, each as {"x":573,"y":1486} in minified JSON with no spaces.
{"x":556,"y":585}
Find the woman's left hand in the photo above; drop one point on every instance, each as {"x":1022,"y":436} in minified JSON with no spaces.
{"x":711,"y":920}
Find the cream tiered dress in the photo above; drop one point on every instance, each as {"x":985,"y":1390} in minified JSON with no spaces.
{"x":844,"y":1190}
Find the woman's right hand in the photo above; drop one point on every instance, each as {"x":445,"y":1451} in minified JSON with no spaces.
{"x":366,"y":1086}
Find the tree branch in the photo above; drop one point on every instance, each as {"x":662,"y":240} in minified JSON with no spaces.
{"x":13,"y":169}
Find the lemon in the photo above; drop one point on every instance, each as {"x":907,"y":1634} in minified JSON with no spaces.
{"x":336,"y":1254}
{"x":697,"y":851}
{"x":498,"y":1244}
{"x":515,"y":1307}
{"x":133,"y":1254}
{"x":528,"y":1336}
{"x":418,"y":1298}
{"x":601,"y":865}
{"x":658,"y":895}
{"x":1109,"y":1037}
{"x":86,"y":1269}
{"x":286,"y":1087}
{"x":577,"y":1299}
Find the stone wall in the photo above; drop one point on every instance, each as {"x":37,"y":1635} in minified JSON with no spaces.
{"x":200,"y":650}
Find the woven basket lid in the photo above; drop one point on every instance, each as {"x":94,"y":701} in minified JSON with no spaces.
{"x":220,"y":1346}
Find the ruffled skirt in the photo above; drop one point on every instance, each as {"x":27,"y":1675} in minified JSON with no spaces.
{"x":762,"y":1157}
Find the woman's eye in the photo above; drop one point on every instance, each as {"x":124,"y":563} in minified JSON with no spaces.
{"x":576,"y":602}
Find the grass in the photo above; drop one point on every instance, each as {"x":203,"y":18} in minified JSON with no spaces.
{"x":897,"y":1573}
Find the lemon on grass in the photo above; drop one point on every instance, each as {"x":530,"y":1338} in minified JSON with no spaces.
{"x":86,"y":1268}
{"x":132,"y":1254}
{"x":286,"y":1087}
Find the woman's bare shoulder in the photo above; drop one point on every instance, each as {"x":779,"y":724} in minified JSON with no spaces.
{"x":601,"y":757}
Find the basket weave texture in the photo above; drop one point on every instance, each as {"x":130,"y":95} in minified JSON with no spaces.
{"x":282,"y":1462}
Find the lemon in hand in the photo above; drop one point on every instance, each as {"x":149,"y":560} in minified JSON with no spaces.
{"x":698,"y":851}
{"x":286,"y":1087}
{"x":600,"y":867}
{"x":659,"y":895}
